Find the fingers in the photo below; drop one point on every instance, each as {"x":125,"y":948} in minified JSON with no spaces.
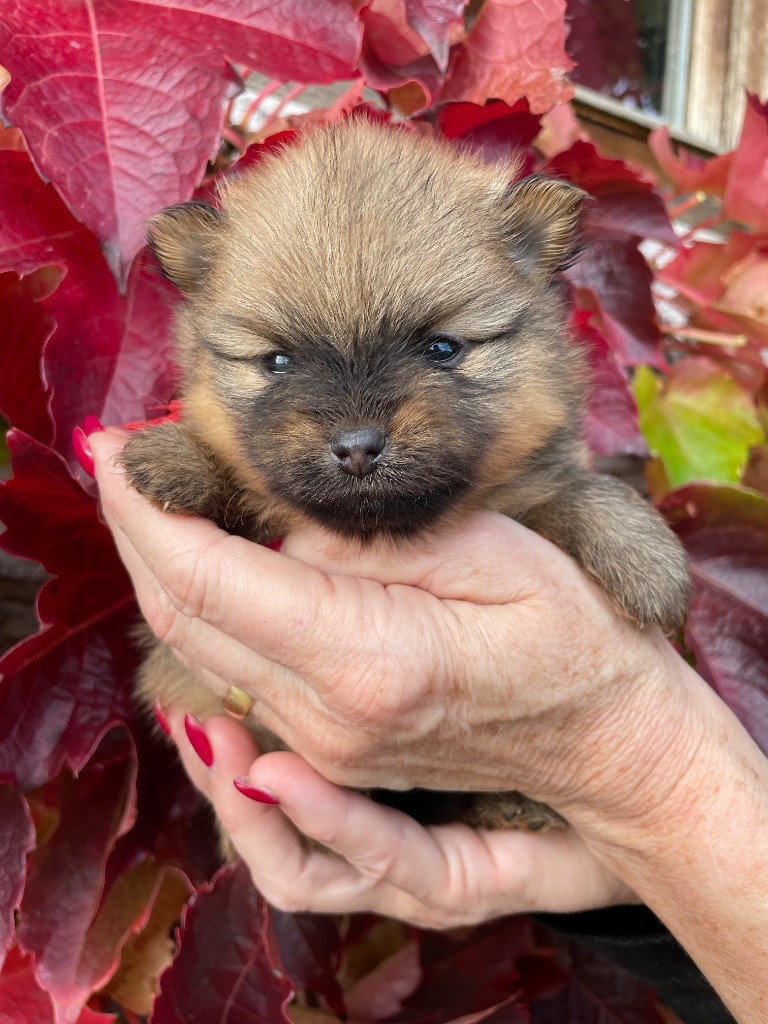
{"x":226,"y":581}
{"x":488,"y":559}
{"x":385,"y":861}
{"x":436,"y":877}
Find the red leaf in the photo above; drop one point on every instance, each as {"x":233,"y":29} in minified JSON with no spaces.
{"x":597,"y":991}
{"x":560,"y":128}
{"x":497,"y":131}
{"x":104,"y":92}
{"x":66,"y":879}
{"x":62,"y":688}
{"x":611,"y":422}
{"x":746,"y":194}
{"x":515,"y":48}
{"x":626,"y":210}
{"x":225,"y":969}
{"x":309,"y":949}
{"x":27,"y":327}
{"x":38,"y":229}
{"x":725,"y":532}
{"x":686,"y":171}
{"x":617,"y":281}
{"x":477,"y":973}
{"x":393,"y":54}
{"x":17,"y":838}
{"x":22,"y":1000}
{"x":109,"y":355}
{"x":434,"y":20}
{"x":697,"y":271}
{"x":626,"y":204}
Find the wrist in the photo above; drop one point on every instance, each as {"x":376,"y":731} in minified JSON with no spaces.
{"x":655,"y":754}
{"x":691,"y":839}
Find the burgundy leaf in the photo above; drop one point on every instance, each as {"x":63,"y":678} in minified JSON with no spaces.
{"x":103,"y":354}
{"x":17,"y":839}
{"x":27,"y":326}
{"x":62,"y":688}
{"x":725,"y":532}
{"x":433,"y":20}
{"x":174,"y":823}
{"x":225,"y":970}
{"x":38,"y":229}
{"x":611,"y":422}
{"x":615,"y":280}
{"x":121,"y":103}
{"x":497,"y":131}
{"x":393,"y":54}
{"x":110,"y":355}
{"x":626,"y":209}
{"x":597,"y":991}
{"x":66,"y":879}
{"x":625,"y":203}
{"x":515,"y":48}
{"x":479,"y":972}
{"x":309,"y":949}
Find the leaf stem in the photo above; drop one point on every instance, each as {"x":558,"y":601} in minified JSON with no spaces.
{"x":707,"y":337}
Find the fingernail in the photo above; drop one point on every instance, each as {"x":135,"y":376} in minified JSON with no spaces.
{"x":198,"y":739}
{"x":83,"y":452}
{"x":92,"y":425}
{"x":162,"y":721}
{"x":262,"y":796}
{"x":274,"y":545}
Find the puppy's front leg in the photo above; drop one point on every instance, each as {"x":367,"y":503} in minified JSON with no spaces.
{"x":169,"y":467}
{"x":624,"y":544}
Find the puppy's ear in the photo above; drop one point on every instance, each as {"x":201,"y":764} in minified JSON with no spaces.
{"x":182,"y":238}
{"x":541,"y":222}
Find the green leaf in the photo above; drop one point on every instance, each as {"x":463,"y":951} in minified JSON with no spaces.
{"x":698,"y":420}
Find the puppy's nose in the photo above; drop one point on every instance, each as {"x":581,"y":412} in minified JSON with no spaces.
{"x":359,"y":451}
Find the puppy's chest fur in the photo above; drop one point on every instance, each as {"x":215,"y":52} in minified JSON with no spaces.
{"x":373,"y":340}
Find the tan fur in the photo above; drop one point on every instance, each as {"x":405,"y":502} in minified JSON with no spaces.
{"x":347,"y":253}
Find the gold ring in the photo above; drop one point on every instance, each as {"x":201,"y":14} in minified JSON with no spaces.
{"x":237,"y":702}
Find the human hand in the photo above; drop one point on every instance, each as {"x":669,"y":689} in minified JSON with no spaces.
{"x":481,"y":660}
{"x":386,"y":863}
{"x":484,"y":661}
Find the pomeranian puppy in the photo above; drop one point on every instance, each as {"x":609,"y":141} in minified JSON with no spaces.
{"x":373,"y":339}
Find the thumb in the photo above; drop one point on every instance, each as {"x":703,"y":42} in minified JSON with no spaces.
{"x":487,"y":559}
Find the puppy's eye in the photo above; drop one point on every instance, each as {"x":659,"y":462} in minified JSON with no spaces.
{"x":443,"y":350}
{"x":278,"y":362}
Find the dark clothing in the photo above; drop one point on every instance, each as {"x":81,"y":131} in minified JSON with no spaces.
{"x":636,"y":940}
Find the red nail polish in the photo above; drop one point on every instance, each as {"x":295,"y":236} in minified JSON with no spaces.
{"x":262,"y":796}
{"x":162,"y":721}
{"x":91,"y":425}
{"x":83,"y":452}
{"x":198,"y":739}
{"x":275,"y":545}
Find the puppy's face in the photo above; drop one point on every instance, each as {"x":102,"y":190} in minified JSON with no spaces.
{"x":372,"y":337}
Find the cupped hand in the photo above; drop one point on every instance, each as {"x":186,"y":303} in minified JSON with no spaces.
{"x":479,"y":659}
{"x":385,"y":862}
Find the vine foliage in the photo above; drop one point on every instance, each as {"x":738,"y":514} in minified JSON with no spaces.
{"x":112,"y":904}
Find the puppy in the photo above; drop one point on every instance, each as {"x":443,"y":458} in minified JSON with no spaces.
{"x":373,"y":340}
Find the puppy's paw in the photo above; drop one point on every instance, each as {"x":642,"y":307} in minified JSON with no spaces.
{"x":512,"y":810}
{"x":167,"y":466}
{"x":624,"y":545}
